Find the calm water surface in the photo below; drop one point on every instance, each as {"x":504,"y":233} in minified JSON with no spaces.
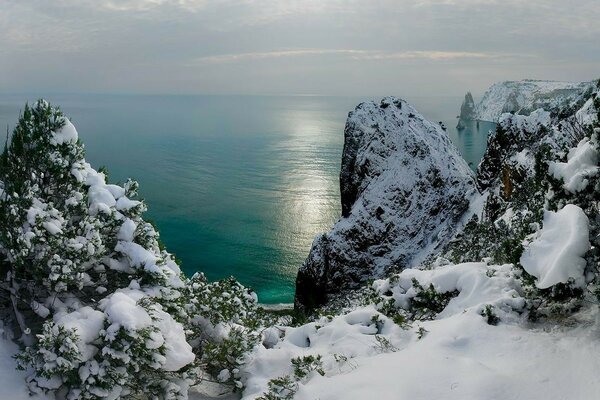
{"x":237,"y":185}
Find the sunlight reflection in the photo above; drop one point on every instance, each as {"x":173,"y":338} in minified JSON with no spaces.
{"x":310,"y":205}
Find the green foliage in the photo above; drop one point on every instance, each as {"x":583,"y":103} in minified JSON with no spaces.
{"x":224,"y":324}
{"x":281,"y":388}
{"x":70,"y":244}
{"x":489,"y":315}
{"x":60,"y":353}
{"x":285,"y":387}
{"x":427,"y":303}
{"x":421,"y":332}
{"x":228,"y":354}
{"x":303,"y":366}
{"x":384,"y":345}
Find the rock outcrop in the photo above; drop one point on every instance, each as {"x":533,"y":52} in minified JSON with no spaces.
{"x":467,"y":110}
{"x":404,"y":187}
{"x":524,"y":97}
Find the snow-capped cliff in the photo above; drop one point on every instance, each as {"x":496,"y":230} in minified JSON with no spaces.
{"x":404,"y":187}
{"x":523,"y":97}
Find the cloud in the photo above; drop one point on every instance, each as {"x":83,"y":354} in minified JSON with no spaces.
{"x":265,"y":45}
{"x":350,"y":53}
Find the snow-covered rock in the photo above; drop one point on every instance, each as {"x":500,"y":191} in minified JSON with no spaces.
{"x":523,"y":97}
{"x":404,"y":187}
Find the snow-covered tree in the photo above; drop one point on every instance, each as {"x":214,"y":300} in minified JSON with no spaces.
{"x":103,"y":310}
{"x":98,"y":301}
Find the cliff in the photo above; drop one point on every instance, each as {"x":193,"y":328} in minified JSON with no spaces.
{"x":404,"y":187}
{"x":526,"y":96}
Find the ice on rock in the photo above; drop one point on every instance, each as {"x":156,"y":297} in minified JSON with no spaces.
{"x":557,"y":253}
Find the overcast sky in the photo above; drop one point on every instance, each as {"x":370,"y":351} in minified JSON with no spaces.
{"x":364,"y":47}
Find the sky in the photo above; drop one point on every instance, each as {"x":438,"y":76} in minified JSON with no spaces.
{"x":279,"y":47}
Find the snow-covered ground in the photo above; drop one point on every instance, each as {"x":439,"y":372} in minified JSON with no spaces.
{"x":458,"y":355}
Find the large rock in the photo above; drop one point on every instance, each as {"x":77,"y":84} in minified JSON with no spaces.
{"x":467,"y":110}
{"x":404,"y":187}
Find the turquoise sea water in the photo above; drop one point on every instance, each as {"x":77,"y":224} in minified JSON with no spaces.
{"x":237,"y":185}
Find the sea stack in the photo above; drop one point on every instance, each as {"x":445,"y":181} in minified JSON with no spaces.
{"x":467,"y":111}
{"x":404,"y":187}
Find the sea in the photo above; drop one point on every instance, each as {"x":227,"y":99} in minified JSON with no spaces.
{"x":237,"y":185}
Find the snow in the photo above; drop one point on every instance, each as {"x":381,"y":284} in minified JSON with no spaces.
{"x":582,"y":163}
{"x":587,"y":114}
{"x":464,"y":358}
{"x":52,"y":226}
{"x":127,"y":231}
{"x":556,"y":253}
{"x":459,"y":355}
{"x":100,"y":198}
{"x":66,"y":134}
{"x":527,"y":123}
{"x":138,"y":256}
{"x":178,"y":352}
{"x":87,"y":322}
{"x":122,"y":310}
{"x":124,"y":204}
{"x":12,"y":382}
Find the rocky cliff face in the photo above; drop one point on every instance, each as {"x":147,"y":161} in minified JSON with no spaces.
{"x":404,"y":187}
{"x":524,"y":97}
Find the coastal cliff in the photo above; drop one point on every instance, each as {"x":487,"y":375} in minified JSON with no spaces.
{"x":525,"y":96}
{"x":404,"y":187}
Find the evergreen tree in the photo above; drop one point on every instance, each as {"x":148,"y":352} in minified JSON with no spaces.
{"x":97,"y":301}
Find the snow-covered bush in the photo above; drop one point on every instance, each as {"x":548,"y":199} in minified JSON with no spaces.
{"x":224,"y":323}
{"x":89,"y":283}
{"x":103,"y":309}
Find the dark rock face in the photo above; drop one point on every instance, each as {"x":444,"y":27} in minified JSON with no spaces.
{"x":467,"y":110}
{"x":404,"y":187}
